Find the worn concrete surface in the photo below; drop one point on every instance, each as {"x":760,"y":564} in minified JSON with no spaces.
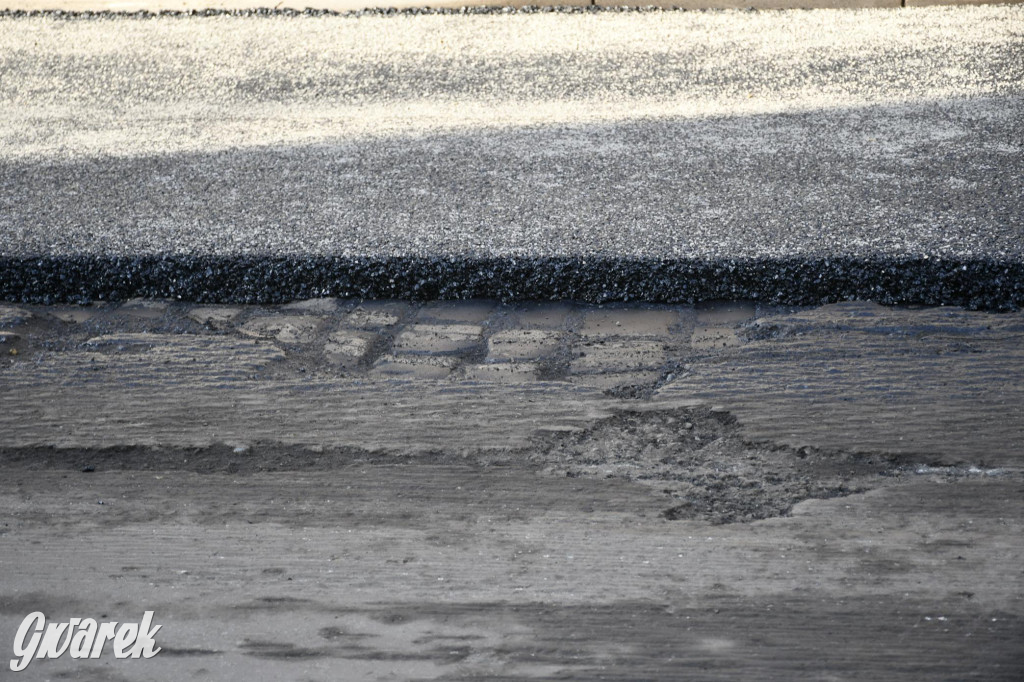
{"x":735,"y":491}
{"x":790,"y":157}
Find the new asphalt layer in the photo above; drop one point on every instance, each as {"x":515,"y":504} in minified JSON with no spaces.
{"x":795,"y":157}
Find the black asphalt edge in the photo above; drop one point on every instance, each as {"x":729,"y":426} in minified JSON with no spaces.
{"x":971,"y":283}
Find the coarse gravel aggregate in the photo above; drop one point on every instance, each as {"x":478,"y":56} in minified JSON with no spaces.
{"x":790,"y":157}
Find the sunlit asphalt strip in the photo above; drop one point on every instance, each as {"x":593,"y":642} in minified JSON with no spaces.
{"x":784,"y":156}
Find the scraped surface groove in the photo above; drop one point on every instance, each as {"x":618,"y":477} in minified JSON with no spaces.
{"x":941,"y":385}
{"x":856,"y":376}
{"x":450,"y":490}
{"x":428,"y":572}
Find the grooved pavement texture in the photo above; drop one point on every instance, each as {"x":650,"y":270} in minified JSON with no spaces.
{"x":944,"y":385}
{"x":298,"y":493}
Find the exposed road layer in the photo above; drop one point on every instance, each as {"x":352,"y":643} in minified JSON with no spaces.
{"x":786,"y":156}
{"x":939,"y":386}
{"x":466,"y":490}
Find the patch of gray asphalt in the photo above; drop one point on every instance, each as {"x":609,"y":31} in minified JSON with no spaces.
{"x":785,"y":157}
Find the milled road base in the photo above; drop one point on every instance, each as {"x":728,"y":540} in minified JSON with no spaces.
{"x":349,"y":489}
{"x":450,"y":572}
{"x":788,"y":157}
{"x":941,"y":385}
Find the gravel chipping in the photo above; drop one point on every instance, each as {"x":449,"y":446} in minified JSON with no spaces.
{"x":791,"y":157}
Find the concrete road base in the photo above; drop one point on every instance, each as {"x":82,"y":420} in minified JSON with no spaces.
{"x":343,"y":489}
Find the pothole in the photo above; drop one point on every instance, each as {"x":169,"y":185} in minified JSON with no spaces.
{"x":706,"y":471}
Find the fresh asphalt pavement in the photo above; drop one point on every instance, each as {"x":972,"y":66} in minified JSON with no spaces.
{"x":794,"y":157}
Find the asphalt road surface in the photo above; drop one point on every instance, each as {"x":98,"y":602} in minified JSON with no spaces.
{"x":366,"y":490}
{"x":793,"y":157}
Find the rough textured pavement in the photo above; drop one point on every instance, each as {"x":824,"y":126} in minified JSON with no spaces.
{"x":786,"y":157}
{"x":351,"y":488}
{"x":347,"y":489}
